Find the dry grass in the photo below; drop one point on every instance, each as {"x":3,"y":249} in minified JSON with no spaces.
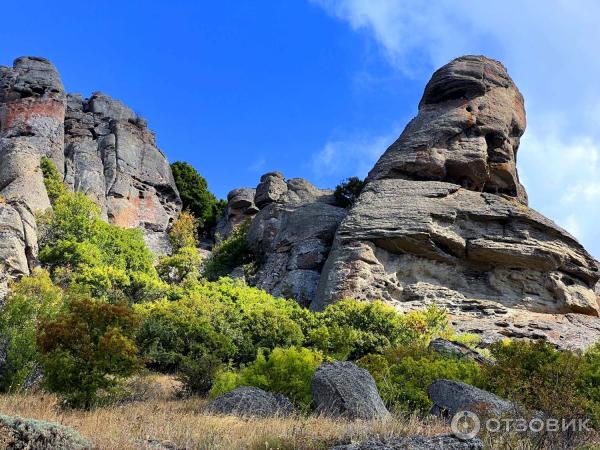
{"x":158,"y":415}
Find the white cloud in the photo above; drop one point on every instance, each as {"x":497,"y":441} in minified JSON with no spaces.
{"x":359,"y":152}
{"x":549,"y":50}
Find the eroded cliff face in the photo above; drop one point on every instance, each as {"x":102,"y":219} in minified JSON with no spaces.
{"x":443,"y":219}
{"x":100,"y":147}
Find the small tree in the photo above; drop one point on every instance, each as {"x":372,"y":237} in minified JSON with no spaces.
{"x":88,"y":350}
{"x":347,"y":192}
{"x":52,"y":179}
{"x":183,"y":232}
{"x":196,"y":198}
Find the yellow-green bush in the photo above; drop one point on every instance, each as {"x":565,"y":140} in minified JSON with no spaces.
{"x":285,"y":371}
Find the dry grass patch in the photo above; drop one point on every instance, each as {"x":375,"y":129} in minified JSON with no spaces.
{"x":159,"y":415}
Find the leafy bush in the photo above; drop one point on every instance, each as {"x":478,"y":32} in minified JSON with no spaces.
{"x":196,"y":198}
{"x":31,"y":299}
{"x":52,"y":179}
{"x":228,"y":254}
{"x":197,"y":372}
{"x":87,"y":350}
{"x":404,"y":374}
{"x":351,"y":329}
{"x":561,"y":383}
{"x":347,"y":192}
{"x":183,"y":232}
{"x":225,"y":318}
{"x":285,"y":371}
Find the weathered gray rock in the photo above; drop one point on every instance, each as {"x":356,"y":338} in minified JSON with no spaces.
{"x":446,"y":442}
{"x":450,"y":397}
{"x":29,"y":434}
{"x":247,"y":401}
{"x":443,"y":219}
{"x":272,"y":185}
{"x":112,"y":157}
{"x":240,"y":208}
{"x":100,"y":146}
{"x":457,"y":350}
{"x":342,"y":389}
{"x":291,"y":239}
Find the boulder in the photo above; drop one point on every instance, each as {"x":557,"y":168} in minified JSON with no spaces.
{"x":446,"y":442}
{"x":247,"y":401}
{"x":457,"y":350}
{"x":450,"y":397}
{"x":342,"y":389}
{"x":240,"y":208}
{"x":272,"y":185}
{"x":443,"y":219}
{"x":17,"y":434}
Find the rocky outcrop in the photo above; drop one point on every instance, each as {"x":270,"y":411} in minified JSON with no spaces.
{"x":17,"y":434}
{"x":443,"y":219}
{"x":247,"y":401}
{"x":446,"y":442}
{"x":292,"y":229}
{"x":100,"y":147}
{"x":342,"y":389}
{"x":451,"y":397}
{"x":457,"y":350}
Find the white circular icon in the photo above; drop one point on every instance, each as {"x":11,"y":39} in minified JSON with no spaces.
{"x":465,"y":425}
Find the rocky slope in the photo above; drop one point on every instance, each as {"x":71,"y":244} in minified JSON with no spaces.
{"x":442,"y":219}
{"x":99,"y":145}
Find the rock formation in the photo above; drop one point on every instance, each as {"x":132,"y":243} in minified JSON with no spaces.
{"x":293,"y":224}
{"x":100,"y":147}
{"x":443,"y":219}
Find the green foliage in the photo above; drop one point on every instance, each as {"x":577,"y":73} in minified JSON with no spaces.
{"x":196,"y":198}
{"x":197,"y":372}
{"x":404,"y":374}
{"x":347,"y":192}
{"x":225,"y":318}
{"x":351,"y":329}
{"x":561,"y":383}
{"x":31,"y":299}
{"x":87,"y":350}
{"x":183,"y":232}
{"x":285,"y":371}
{"x":52,"y":179}
{"x":183,"y":264}
{"x":228,"y":254}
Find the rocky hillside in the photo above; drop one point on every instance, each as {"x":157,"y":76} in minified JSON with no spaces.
{"x":442,"y":218}
{"x":98,"y":144}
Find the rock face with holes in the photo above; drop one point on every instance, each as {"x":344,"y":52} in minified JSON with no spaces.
{"x":100,"y":147}
{"x":444,"y":219}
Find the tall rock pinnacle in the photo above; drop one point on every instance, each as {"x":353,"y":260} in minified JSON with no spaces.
{"x":443,"y":219}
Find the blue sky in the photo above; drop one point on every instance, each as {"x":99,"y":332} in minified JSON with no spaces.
{"x":319,"y":88}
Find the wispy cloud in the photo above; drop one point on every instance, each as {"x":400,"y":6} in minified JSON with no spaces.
{"x":549,"y":53}
{"x":357,"y":152}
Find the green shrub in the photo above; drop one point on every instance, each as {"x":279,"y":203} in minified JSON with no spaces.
{"x":561,"y":383}
{"x":285,"y":371}
{"x":183,"y":264}
{"x":197,"y":372}
{"x":224,"y":318}
{"x":88,"y":350}
{"x":30,"y":299}
{"x":404,"y":374}
{"x":195,"y":196}
{"x":347,"y":192}
{"x":351,"y":329}
{"x":228,"y":254}
{"x":183,"y":232}
{"x":52,"y":179}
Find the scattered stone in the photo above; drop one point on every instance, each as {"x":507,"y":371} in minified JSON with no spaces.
{"x":450,"y":397}
{"x":248,"y":401}
{"x":457,"y":350}
{"x":18,"y":434}
{"x":342,"y":389}
{"x":416,"y":443}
